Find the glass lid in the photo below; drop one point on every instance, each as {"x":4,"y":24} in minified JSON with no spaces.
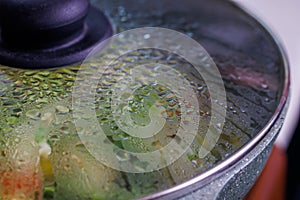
{"x":102,"y":128}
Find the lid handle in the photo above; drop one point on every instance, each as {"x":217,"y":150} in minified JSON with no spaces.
{"x":49,"y":33}
{"x":41,"y":23}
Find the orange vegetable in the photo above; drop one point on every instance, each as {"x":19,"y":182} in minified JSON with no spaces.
{"x":20,"y":185}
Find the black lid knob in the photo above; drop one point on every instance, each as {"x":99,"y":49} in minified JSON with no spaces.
{"x":36,"y":26}
{"x":41,"y":23}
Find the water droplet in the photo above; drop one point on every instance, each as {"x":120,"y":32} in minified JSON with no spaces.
{"x":79,"y":145}
{"x":78,"y":160}
{"x":139,"y":168}
{"x":47,"y":117}
{"x":67,"y":167}
{"x":122,"y":156}
{"x":29,"y":73}
{"x":190,"y":34}
{"x":42,"y":101}
{"x":62,"y":109}
{"x":2,"y":154}
{"x":54,"y":138}
{"x":33,"y":114}
{"x":123,"y":19}
{"x":202,"y":113}
{"x":44,"y":73}
{"x":8,"y":102}
{"x":121,"y":11}
{"x":44,"y":86}
{"x":267,"y":100}
{"x":264,"y":86}
{"x":12,"y":120}
{"x":38,"y":77}
{"x":147,"y":36}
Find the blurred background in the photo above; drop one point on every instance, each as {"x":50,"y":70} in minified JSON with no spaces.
{"x":282,"y":17}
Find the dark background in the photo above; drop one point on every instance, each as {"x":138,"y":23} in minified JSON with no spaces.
{"x":293,"y":174}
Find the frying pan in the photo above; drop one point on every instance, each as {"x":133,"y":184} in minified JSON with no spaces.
{"x":249,"y":58}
